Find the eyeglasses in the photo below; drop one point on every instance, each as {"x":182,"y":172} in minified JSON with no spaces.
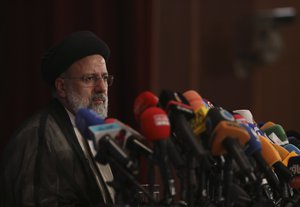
{"x":93,"y":80}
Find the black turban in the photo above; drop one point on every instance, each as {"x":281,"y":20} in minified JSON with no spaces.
{"x":72,"y":48}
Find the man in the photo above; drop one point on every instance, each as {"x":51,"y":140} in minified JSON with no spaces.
{"x":48,"y":162}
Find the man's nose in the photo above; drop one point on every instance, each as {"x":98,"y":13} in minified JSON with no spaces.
{"x":101,"y":85}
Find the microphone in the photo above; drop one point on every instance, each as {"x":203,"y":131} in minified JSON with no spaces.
{"x":286,"y":160}
{"x":87,"y":122}
{"x":277,"y":134}
{"x":200,"y":110}
{"x":257,"y":129}
{"x":179,"y":113}
{"x":240,"y":119}
{"x":195,"y":100}
{"x":143,"y":101}
{"x":254,"y":143}
{"x":267,"y":125}
{"x":247,"y":117}
{"x":253,"y":148}
{"x":294,"y":141}
{"x":85,"y":118}
{"x":246,"y":114}
{"x":130,"y":139}
{"x":273,"y":154}
{"x":216,"y":116}
{"x":107,"y":149}
{"x":277,"y":130}
{"x":155,"y":126}
{"x":225,"y":135}
{"x":272,"y":157}
{"x":294,"y":166}
{"x":281,"y":150}
{"x":129,"y":130}
{"x":292,"y":148}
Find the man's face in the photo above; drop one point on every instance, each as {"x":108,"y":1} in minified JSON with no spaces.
{"x":81,"y":88}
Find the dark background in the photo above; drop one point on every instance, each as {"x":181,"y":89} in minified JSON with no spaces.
{"x":158,"y":44}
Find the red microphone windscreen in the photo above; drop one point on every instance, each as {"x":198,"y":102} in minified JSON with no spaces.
{"x":109,"y":120}
{"x":155,"y":124}
{"x":142,"y":102}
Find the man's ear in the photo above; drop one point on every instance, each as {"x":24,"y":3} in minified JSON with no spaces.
{"x":60,"y":87}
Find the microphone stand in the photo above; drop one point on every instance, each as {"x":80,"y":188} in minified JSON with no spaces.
{"x":191,"y":180}
{"x":129,"y":178}
{"x":160,"y":151}
{"x":228,"y":177}
{"x":218,"y":181}
{"x":151,"y":177}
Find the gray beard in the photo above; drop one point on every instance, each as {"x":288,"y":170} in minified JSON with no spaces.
{"x":76,"y":102}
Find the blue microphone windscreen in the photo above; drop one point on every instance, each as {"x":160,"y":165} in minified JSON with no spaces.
{"x":254,"y":144}
{"x":291,"y":147}
{"x":87,"y":117}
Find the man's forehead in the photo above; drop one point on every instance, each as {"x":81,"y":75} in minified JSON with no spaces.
{"x":91,"y":59}
{"x":89,"y":63}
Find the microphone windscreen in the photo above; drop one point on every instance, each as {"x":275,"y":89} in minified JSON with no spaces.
{"x":130,"y":131}
{"x":166,"y":96}
{"x":269,"y":153}
{"x":85,"y":118}
{"x":246,"y":114}
{"x":240,"y":119}
{"x":294,"y":167}
{"x":281,"y":150}
{"x":155,"y":124}
{"x":143,"y":101}
{"x":291,"y":148}
{"x":253,"y":145}
{"x":267,"y":125}
{"x":224,"y":130}
{"x":214,"y":116}
{"x":290,"y":155}
{"x":194,"y":99}
{"x":200,"y":111}
{"x":278,"y":131}
{"x":256,"y":129}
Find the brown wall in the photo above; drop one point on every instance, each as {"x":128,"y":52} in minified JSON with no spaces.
{"x":275,"y":87}
{"x":198,"y":43}
{"x":170,"y":44}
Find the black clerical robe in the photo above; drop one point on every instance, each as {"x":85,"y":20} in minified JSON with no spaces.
{"x":44,"y":165}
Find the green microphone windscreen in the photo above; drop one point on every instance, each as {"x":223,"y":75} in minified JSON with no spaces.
{"x":278,"y":131}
